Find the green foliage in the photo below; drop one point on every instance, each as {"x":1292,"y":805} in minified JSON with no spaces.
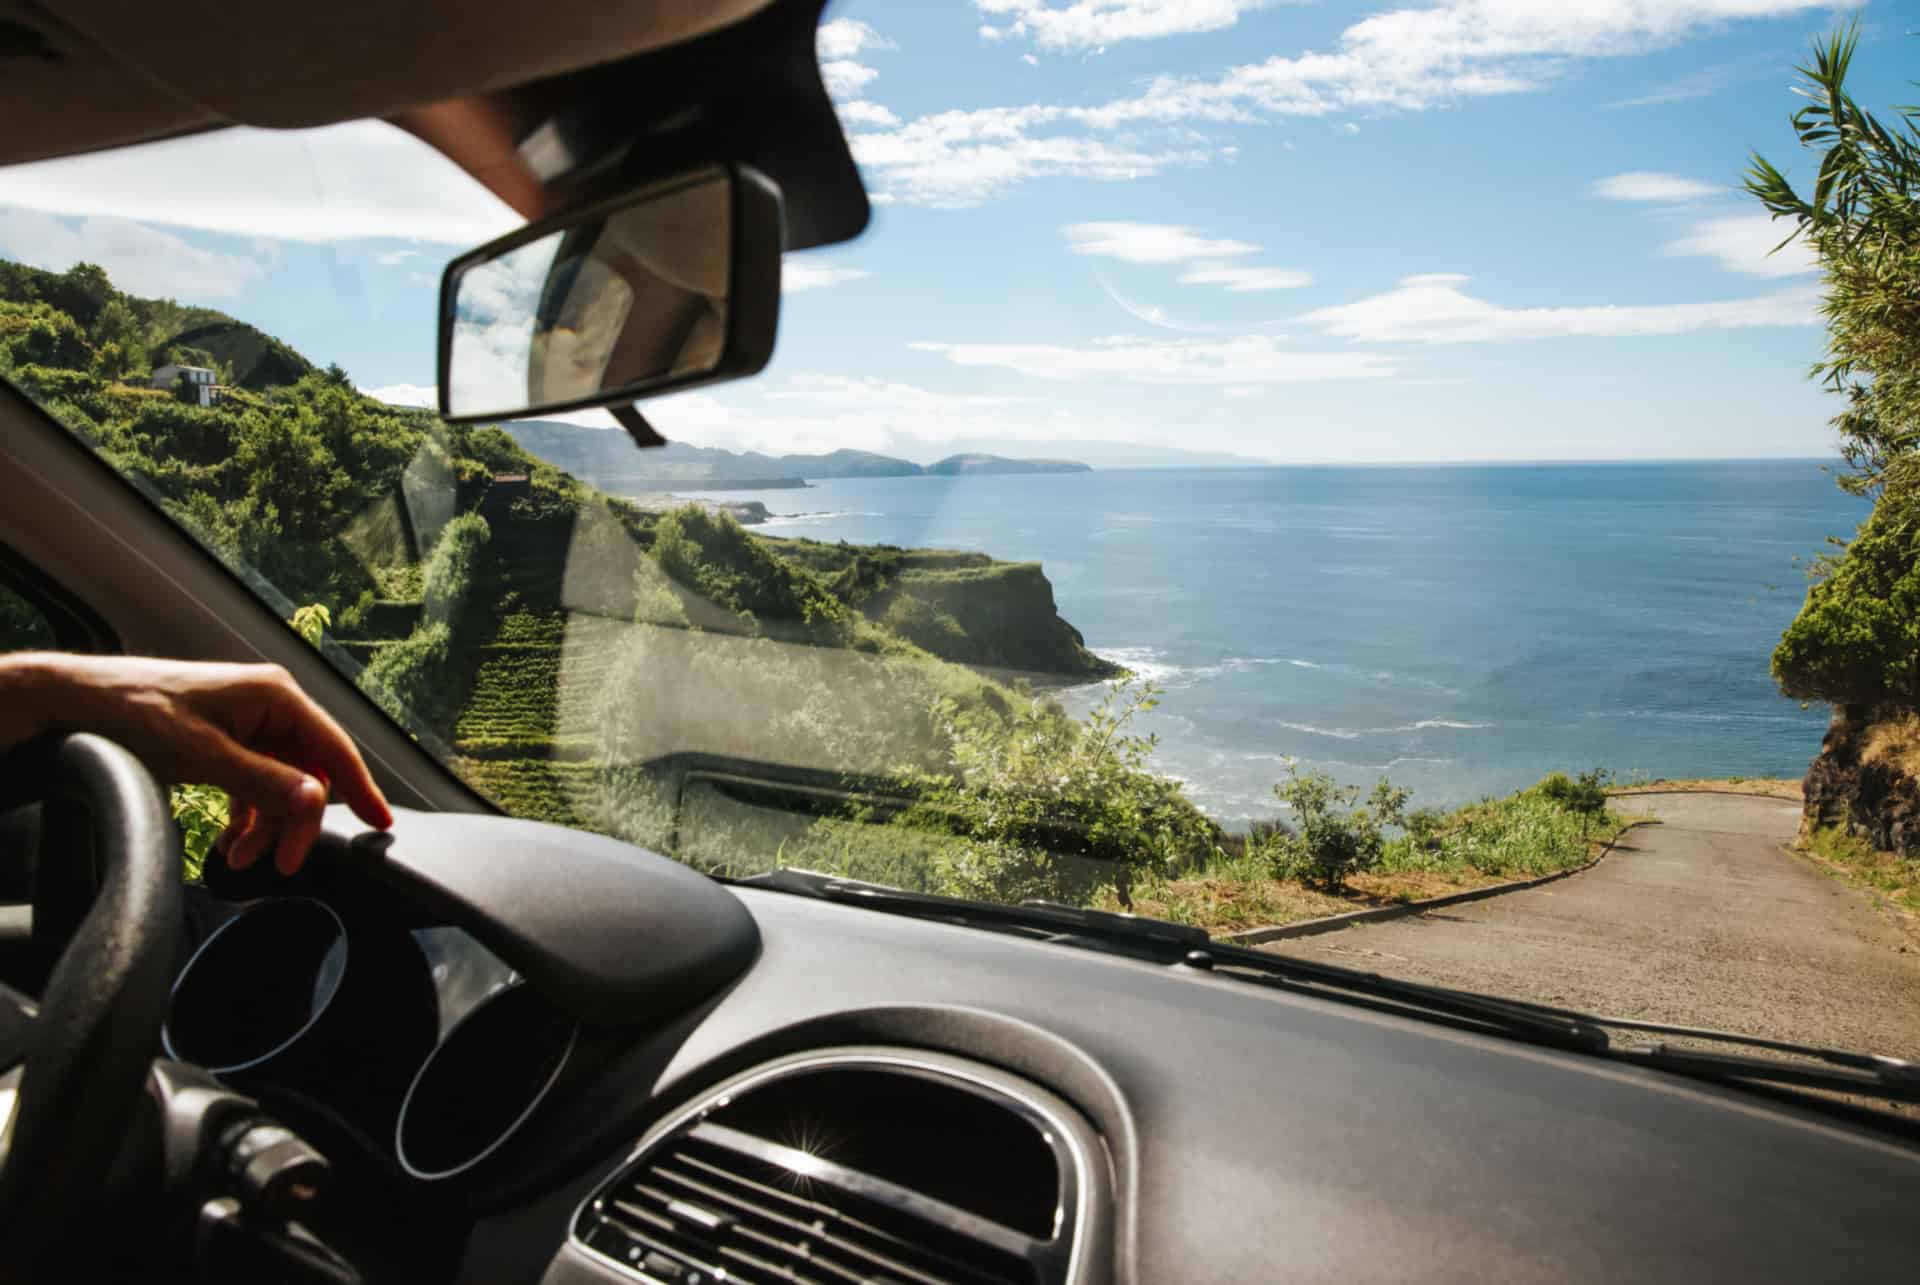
{"x":201,"y":813}
{"x":714,"y":557}
{"x":1331,"y":837}
{"x":405,"y":678}
{"x":1536,"y":831}
{"x":450,"y":568}
{"x":1855,"y":640}
{"x":311,"y":622}
{"x":1885,"y":874}
{"x":41,"y":335}
{"x":1052,"y":807}
{"x":1585,"y":795}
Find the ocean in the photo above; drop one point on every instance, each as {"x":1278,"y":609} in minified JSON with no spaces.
{"x":1461,"y":629}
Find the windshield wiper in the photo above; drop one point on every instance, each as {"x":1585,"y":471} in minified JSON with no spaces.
{"x":1834,"y":1070}
{"x":1838,"y":1070}
{"x":1151,"y":939}
{"x":1159,"y":941}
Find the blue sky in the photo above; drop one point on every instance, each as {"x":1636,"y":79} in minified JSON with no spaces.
{"x":1471,"y":229}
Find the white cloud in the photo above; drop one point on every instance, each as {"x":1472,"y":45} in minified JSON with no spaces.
{"x":813,"y":412}
{"x":961,"y":158}
{"x":846,"y":78}
{"x":868,"y":392}
{"x":1703,"y":82}
{"x":1350,"y":128}
{"x":1243,"y":359}
{"x":1744,"y":243}
{"x":802,"y":275}
{"x":1434,"y":309}
{"x":1030,"y":60}
{"x":1242,"y":391}
{"x":1148,"y":242}
{"x":861,"y":112}
{"x":1645,"y":185}
{"x":1240,"y":279}
{"x":1406,"y":59}
{"x":845,"y":37}
{"x":1159,"y":243}
{"x":394,"y":258}
{"x":424,"y":395}
{"x":1090,"y":24}
{"x":427,"y":397}
{"x":340,"y":183}
{"x":141,"y":260}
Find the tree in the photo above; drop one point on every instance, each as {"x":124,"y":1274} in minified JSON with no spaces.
{"x":1862,"y":219}
{"x":81,"y":292}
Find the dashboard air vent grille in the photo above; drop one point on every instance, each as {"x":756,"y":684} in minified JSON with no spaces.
{"x":714,"y":1204}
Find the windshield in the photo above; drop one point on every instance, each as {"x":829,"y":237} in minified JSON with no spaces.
{"x":1264,"y":463}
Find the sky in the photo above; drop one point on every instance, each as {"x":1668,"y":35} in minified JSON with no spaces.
{"x":1291,"y":231}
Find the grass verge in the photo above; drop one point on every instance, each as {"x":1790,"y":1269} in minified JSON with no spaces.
{"x":1893,"y":881}
{"x":1493,"y":841}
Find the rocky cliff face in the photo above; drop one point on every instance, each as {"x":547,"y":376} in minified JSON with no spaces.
{"x":1864,"y":781}
{"x":1000,"y":615}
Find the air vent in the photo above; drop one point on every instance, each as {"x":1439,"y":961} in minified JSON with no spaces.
{"x":838,"y":1171}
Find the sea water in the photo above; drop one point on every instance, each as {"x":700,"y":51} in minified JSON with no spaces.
{"x":1462,"y":630}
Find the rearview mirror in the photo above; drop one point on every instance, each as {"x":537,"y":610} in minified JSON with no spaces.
{"x":667,"y":287}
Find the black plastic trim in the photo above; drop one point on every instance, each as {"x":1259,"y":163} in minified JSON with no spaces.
{"x":1083,"y":1217}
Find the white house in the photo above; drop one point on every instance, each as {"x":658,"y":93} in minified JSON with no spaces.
{"x":205,"y":383}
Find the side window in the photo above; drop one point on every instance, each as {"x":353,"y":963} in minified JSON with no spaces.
{"x":38,"y":614}
{"x":23,"y":626}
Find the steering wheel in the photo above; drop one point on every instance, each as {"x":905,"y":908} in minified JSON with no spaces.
{"x":98,"y":1026}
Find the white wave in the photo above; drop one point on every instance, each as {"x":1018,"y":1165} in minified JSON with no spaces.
{"x":1447,"y":723}
{"x":1338,"y":733}
{"x":1149,"y":663}
{"x":801,"y":519}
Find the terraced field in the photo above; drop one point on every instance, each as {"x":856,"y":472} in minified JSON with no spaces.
{"x":527,"y":675}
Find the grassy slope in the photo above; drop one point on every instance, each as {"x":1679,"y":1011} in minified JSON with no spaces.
{"x":1493,"y":841}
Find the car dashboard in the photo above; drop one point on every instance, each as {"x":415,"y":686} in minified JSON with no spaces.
{"x":788,"y":1089}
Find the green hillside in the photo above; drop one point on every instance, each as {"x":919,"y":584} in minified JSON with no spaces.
{"x":565,"y":650}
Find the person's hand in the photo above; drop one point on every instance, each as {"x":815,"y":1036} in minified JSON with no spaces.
{"x":247,"y":729}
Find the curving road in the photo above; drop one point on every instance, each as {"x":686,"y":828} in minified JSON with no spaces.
{"x":1703,"y":920}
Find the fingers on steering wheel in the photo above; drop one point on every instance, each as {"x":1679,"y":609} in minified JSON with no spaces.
{"x":306,"y":808}
{"x":244,"y":839}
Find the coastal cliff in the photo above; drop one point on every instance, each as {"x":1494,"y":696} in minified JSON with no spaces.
{"x":991,"y":615}
{"x":1866,"y":778}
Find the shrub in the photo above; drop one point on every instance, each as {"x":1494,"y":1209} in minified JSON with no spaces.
{"x":1583,"y":796}
{"x":1332,"y":837}
{"x":403,"y":678}
{"x":713,"y":556}
{"x":1054,"y":806}
{"x":449,"y":572}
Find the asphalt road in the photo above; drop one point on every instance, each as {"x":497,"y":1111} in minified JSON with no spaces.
{"x":1703,"y":920}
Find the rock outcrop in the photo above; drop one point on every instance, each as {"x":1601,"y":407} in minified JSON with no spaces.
{"x":1864,"y":781}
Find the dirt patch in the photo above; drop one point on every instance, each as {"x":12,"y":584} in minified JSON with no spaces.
{"x":1765,"y":787}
